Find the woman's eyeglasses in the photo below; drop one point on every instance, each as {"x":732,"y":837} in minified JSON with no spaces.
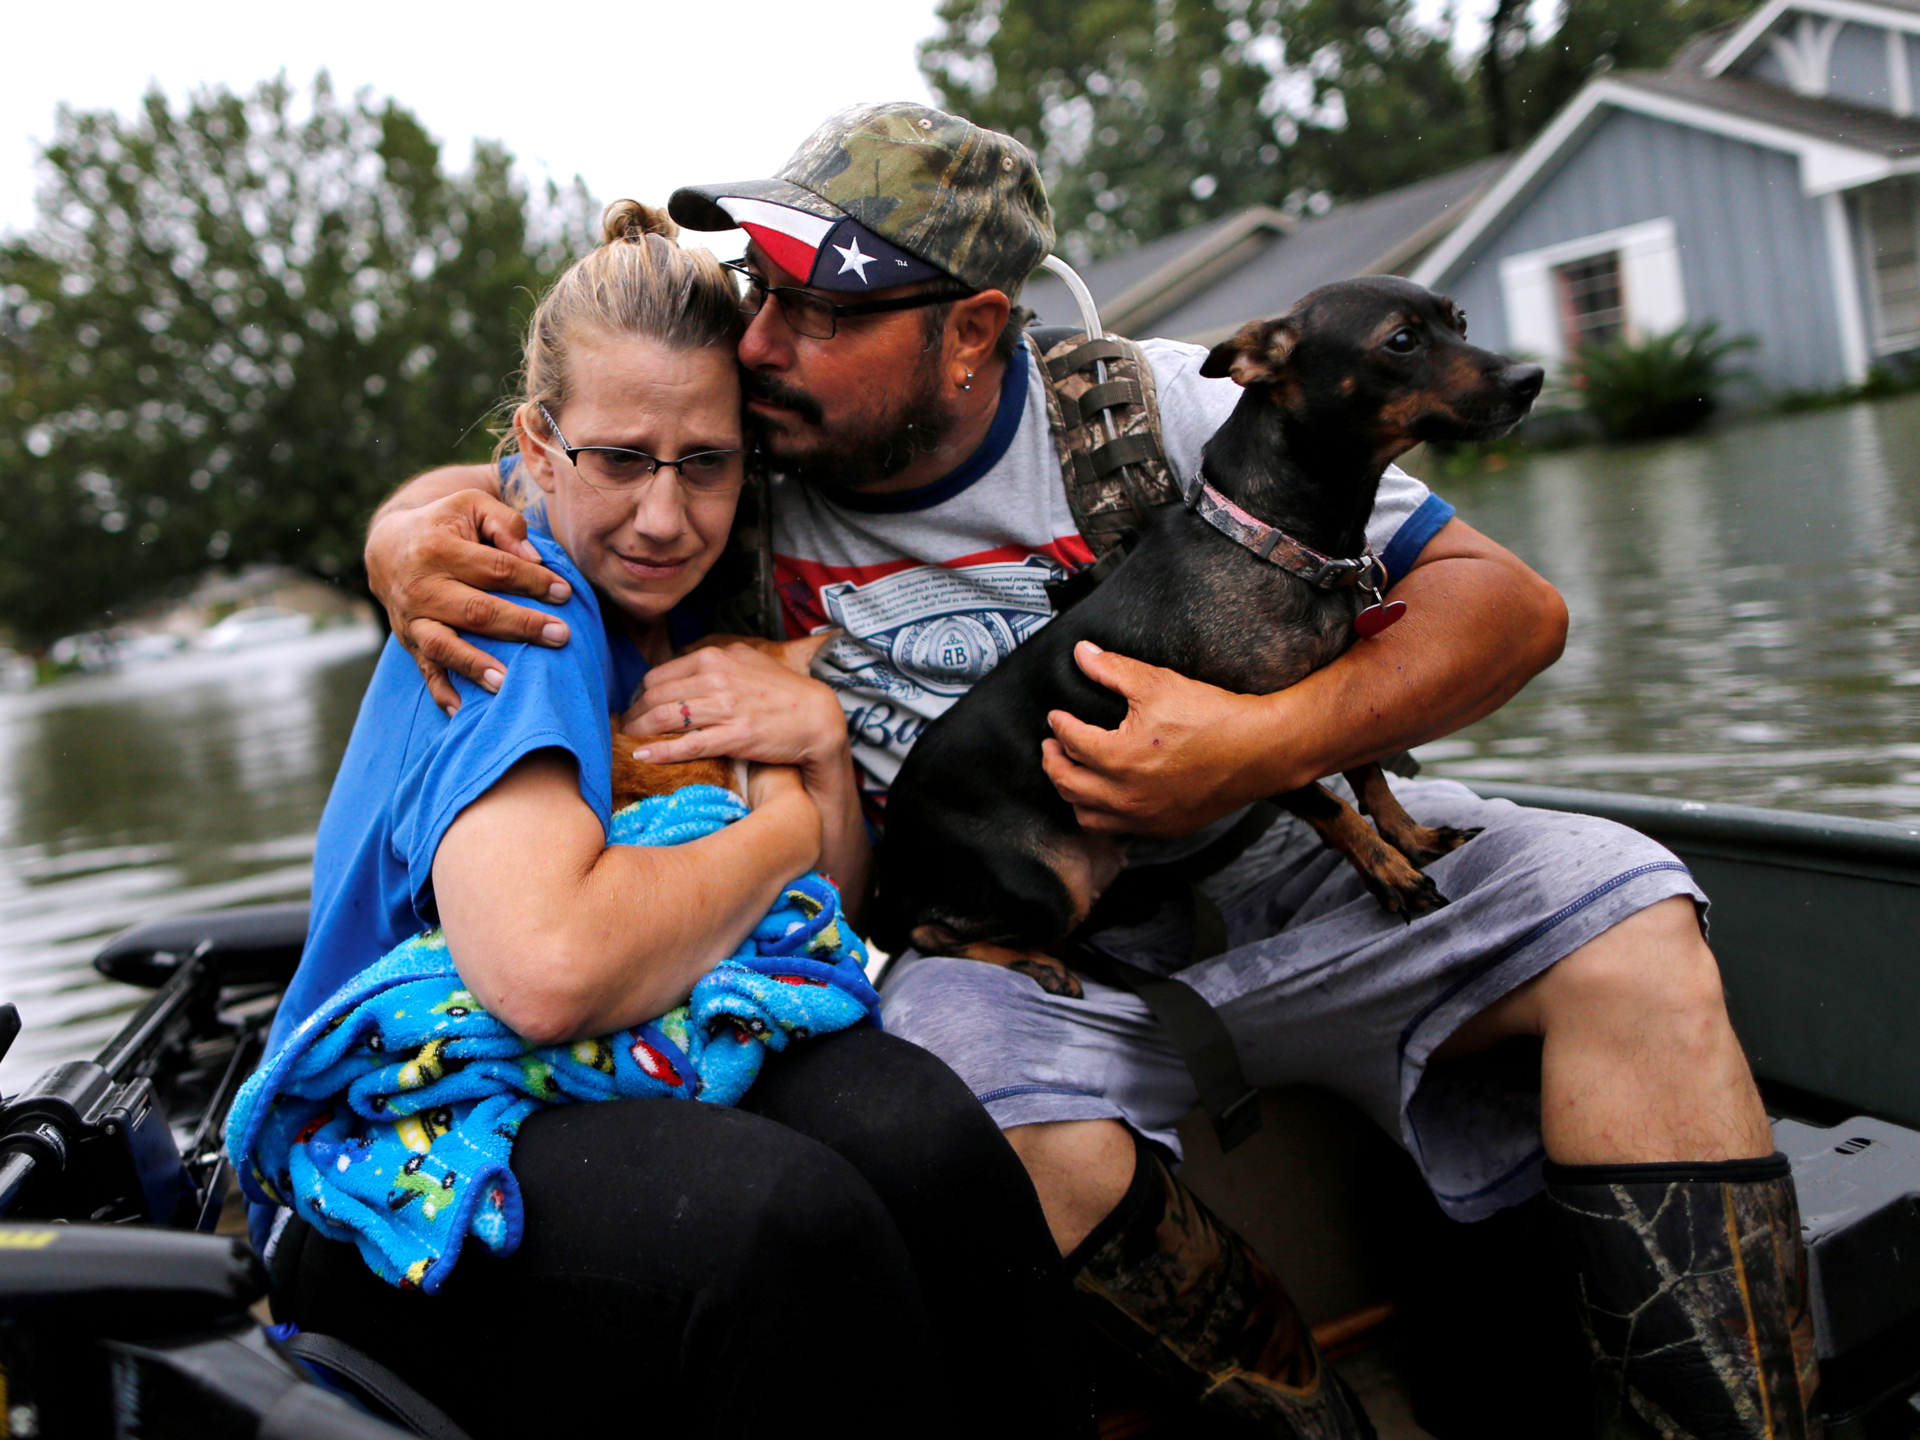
{"x":813,"y":315}
{"x":616,"y":467}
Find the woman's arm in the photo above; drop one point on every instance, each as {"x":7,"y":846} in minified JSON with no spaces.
{"x":744,"y":703}
{"x":563,"y":936}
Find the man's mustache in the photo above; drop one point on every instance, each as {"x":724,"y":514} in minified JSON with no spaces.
{"x":760,"y":386}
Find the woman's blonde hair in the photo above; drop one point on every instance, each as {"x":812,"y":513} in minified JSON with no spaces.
{"x":637,"y":283}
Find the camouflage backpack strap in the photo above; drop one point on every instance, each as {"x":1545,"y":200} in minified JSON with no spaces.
{"x":1116,"y":474}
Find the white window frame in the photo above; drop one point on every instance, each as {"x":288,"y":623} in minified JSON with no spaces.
{"x":1651,"y":291}
{"x":1883,"y":343}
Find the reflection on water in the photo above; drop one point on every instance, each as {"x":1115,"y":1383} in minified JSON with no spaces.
{"x":1746,"y":616}
{"x":188,"y":784}
{"x":1746,"y":627}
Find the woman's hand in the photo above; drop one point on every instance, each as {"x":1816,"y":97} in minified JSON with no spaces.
{"x":737,"y":701}
{"x":740,"y":702}
{"x":562,"y":935}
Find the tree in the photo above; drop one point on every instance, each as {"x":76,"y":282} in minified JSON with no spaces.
{"x":1146,"y":115}
{"x":1152,"y":115}
{"x":1389,"y":102}
{"x":1592,"y":37}
{"x":235,"y":326}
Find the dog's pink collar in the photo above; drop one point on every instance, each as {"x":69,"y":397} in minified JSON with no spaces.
{"x":1276,"y":547}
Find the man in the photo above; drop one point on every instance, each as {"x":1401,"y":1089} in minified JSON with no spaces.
{"x":919,"y":507}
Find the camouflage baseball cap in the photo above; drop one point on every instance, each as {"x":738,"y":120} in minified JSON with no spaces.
{"x":940,"y":190}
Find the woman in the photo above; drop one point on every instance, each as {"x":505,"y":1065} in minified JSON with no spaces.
{"x":852,"y":1243}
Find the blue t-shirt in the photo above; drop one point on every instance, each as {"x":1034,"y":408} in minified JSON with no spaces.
{"x":409,"y":770}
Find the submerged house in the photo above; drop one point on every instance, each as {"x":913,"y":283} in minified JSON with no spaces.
{"x":1768,"y":180}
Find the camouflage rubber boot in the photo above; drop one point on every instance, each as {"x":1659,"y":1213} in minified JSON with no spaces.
{"x":1693,"y":1293}
{"x":1173,"y":1286}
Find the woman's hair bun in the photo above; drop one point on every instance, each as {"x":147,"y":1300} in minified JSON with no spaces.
{"x":630,"y":220}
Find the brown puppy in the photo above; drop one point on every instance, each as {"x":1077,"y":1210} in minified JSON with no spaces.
{"x":638,"y":779}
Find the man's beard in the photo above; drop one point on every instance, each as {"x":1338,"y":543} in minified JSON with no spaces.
{"x":859,"y":455}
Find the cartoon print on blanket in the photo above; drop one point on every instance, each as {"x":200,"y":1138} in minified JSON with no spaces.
{"x":388,"y":1118}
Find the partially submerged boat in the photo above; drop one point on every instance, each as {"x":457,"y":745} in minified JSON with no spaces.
{"x":133,"y":1307}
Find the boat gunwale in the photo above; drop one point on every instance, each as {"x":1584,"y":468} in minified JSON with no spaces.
{"x":1791,"y":839}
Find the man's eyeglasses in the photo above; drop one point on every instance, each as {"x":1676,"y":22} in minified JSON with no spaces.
{"x":615,"y":467}
{"x":813,"y":315}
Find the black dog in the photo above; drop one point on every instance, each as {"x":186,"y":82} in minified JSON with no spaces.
{"x":983,"y":857}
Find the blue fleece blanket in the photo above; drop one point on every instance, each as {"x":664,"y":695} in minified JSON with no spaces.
{"x":388,"y":1117}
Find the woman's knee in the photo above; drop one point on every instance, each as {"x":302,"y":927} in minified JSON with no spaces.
{"x":718,"y":1194}
{"x":891,"y":1108}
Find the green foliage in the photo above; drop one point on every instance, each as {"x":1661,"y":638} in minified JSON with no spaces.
{"x":236,"y":325}
{"x":1662,"y":385}
{"x":1153,"y":115}
{"x":1898,"y":375}
{"x":1146,"y":114}
{"x":1593,"y":36}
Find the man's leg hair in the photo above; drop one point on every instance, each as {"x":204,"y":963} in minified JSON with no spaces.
{"x":1163,"y":1278}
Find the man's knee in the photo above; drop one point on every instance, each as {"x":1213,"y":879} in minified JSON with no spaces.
{"x":1080,"y":1169}
{"x":1652,"y":975}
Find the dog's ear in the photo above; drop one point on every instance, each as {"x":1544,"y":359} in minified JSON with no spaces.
{"x":1257,"y":355}
{"x":798,"y":654}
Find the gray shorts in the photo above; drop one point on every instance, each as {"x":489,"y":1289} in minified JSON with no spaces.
{"x":1319,"y":986}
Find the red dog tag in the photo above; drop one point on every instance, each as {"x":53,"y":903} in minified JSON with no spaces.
{"x":1375,"y":618}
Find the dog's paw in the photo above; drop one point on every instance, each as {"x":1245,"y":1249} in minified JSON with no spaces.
{"x":1050,"y":975}
{"x":1422,"y":899}
{"x":1435,"y":841}
{"x":1409,"y":897}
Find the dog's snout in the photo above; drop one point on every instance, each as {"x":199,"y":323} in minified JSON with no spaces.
{"x":1523,"y":380}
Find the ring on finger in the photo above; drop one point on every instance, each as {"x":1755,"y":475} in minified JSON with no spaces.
{"x":686,"y":716}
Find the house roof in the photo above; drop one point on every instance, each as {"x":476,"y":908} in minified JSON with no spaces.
{"x":1880,"y":131}
{"x":1744,"y":37}
{"x":1839,"y":145}
{"x":1133,"y":289}
{"x":1203,"y":284}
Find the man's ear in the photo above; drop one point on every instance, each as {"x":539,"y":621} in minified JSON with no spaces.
{"x":533,"y":454}
{"x":974,"y":325}
{"x":1257,"y":355}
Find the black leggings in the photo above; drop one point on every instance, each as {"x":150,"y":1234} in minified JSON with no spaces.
{"x":856,"y":1245}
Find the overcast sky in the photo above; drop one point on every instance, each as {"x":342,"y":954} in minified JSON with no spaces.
{"x":635,"y":97}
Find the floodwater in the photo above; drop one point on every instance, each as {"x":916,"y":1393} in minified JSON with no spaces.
{"x":186,"y":784}
{"x":1745,"y":616}
{"x":1746,"y":627}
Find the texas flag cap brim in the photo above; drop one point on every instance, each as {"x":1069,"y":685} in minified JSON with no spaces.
{"x":811,"y":239}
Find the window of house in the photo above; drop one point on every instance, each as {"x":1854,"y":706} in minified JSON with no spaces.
{"x":1892,"y":235}
{"x":1590,"y":289}
{"x":1593,"y":306}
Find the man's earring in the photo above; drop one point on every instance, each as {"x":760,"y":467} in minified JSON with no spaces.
{"x":969,"y":381}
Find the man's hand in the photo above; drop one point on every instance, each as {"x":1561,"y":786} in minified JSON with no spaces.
{"x":1177,"y":762}
{"x":1479,"y":625}
{"x":424,"y":563}
{"x":738,"y":701}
